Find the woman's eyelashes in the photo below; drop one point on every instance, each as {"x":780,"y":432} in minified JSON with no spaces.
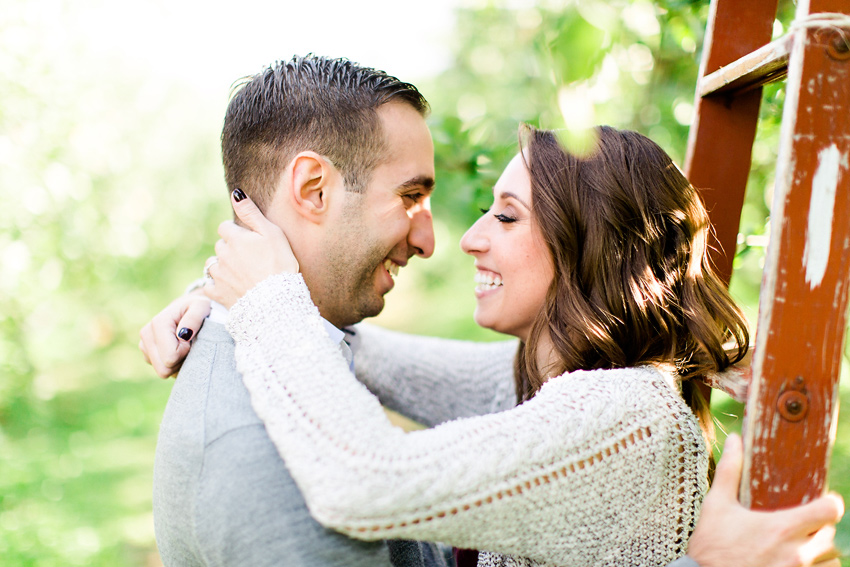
{"x":501,"y":217}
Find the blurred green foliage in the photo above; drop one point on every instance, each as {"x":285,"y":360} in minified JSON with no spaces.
{"x":112,"y":190}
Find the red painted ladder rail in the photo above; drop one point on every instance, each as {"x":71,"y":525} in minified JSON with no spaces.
{"x":793,"y":397}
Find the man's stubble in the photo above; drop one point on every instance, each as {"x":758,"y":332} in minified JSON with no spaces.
{"x":351,"y":259}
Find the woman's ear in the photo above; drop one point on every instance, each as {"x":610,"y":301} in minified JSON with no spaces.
{"x":315,"y":183}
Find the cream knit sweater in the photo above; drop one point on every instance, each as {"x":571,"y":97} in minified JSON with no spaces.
{"x":600,"y":468}
{"x":434,"y":380}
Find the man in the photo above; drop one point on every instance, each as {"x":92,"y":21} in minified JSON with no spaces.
{"x":349,"y":181}
{"x":341,"y":155}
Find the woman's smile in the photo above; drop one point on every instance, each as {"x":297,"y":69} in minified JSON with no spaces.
{"x":487,"y":282}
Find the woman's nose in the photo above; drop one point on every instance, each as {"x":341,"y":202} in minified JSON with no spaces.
{"x":475,"y":240}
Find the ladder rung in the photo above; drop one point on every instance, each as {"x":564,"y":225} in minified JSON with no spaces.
{"x":764,"y":65}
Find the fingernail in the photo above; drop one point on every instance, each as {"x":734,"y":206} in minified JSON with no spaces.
{"x":185,"y":333}
{"x":238,"y":194}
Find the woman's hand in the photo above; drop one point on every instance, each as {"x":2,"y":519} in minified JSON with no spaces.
{"x":246,"y":256}
{"x":727,"y":533}
{"x":166,"y":339}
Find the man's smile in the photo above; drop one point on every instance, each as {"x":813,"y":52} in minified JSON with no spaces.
{"x":391,"y":267}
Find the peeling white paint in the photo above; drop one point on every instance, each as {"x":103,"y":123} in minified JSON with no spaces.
{"x":833,"y":425}
{"x":774,"y":426}
{"x":821,"y":208}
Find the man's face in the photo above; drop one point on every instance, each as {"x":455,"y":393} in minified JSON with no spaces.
{"x":376,"y":232}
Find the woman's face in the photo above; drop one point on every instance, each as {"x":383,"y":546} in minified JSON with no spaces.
{"x":514,"y":268}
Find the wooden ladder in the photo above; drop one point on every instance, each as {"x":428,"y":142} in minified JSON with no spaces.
{"x":792,"y":405}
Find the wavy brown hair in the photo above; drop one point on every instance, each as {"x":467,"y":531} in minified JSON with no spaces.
{"x":633,"y":284}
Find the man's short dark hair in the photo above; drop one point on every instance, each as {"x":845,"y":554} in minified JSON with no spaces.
{"x":313,"y":103}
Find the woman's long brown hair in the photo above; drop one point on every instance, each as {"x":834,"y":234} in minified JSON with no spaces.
{"x":633,"y":284}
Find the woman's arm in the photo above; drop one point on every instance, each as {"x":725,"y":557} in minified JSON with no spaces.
{"x":432,"y":380}
{"x":591,"y":466}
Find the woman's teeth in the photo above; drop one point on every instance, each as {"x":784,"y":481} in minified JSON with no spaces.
{"x":391,"y":267}
{"x":487,"y":280}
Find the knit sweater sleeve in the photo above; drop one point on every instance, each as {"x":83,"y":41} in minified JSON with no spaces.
{"x":603,"y":467}
{"x":433,"y":380}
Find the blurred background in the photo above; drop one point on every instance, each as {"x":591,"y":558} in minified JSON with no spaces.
{"x":112,"y":191}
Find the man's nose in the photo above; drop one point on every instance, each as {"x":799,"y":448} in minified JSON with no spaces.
{"x":421,"y":235}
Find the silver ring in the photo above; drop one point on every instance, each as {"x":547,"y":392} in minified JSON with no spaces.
{"x":207,"y":269}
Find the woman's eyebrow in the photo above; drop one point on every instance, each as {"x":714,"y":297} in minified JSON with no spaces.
{"x":508,"y":194}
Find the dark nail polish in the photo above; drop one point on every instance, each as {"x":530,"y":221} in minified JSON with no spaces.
{"x":185,"y":333}
{"x":238,"y":194}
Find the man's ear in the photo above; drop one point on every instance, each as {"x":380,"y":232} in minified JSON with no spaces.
{"x":315,"y":184}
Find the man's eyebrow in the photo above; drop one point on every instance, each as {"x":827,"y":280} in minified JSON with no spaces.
{"x":420,"y":181}
{"x":508,"y":194}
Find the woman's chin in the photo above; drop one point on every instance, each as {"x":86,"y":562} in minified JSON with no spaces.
{"x":482,"y":320}
{"x":492,"y":323}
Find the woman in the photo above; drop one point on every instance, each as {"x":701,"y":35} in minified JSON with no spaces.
{"x":598,"y":265}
